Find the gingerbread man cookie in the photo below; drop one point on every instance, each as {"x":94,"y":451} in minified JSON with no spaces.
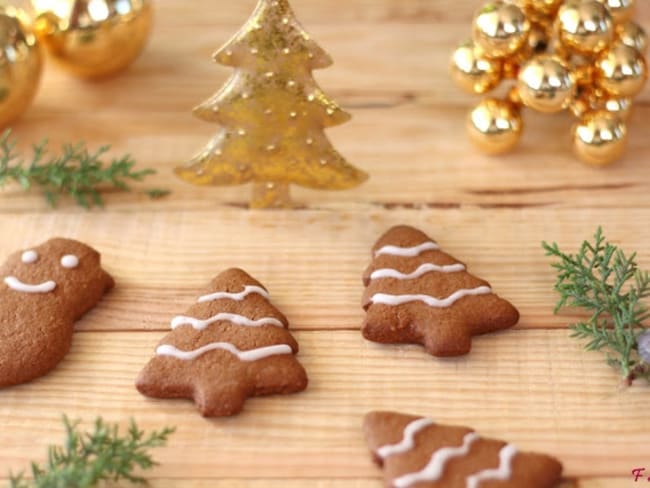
{"x":43,"y":291}
{"x":230,"y":345}
{"x":415,"y":452}
{"x":415,"y":293}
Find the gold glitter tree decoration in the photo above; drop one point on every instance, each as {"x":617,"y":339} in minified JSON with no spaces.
{"x":584,"y":56}
{"x":272,"y":114}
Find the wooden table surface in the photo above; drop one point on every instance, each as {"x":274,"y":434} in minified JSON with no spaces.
{"x":532,"y":385}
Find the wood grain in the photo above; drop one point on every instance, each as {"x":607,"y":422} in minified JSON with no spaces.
{"x":534,"y":388}
{"x":533,"y":385}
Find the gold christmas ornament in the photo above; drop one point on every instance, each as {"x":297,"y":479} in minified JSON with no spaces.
{"x":546,"y":84}
{"x":621,"y":71}
{"x":583,"y":56}
{"x":495,"y":126}
{"x":621,"y":10}
{"x":632,"y":34}
{"x":272,"y":115}
{"x":600,"y":138}
{"x":474,"y":72}
{"x":93,"y":38}
{"x":542,"y":7}
{"x":20,"y":64}
{"x":500,"y":29}
{"x":585,"y":26}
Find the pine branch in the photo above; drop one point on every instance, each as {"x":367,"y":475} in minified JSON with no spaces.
{"x":603,"y":280}
{"x":76,"y":172}
{"x":88,"y":458}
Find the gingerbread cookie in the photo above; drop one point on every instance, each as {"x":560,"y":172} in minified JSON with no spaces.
{"x":232,"y":344}
{"x":415,"y":293}
{"x":416,"y":452}
{"x":44,"y":290}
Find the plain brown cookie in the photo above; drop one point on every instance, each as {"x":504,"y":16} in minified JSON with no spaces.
{"x":230,"y":345}
{"x":415,"y":452}
{"x":43,"y":291}
{"x":415,"y":293}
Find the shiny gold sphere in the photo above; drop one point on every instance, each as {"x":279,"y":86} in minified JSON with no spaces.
{"x":585,"y":27}
{"x":617,"y":106}
{"x":621,"y":71}
{"x":590,"y":98}
{"x":20,"y":64}
{"x":500,"y":29}
{"x":494,"y":126}
{"x":543,"y":7}
{"x":621,"y":10}
{"x":599,"y":138}
{"x":93,"y":38}
{"x":472,"y":71}
{"x":632,"y":34}
{"x":546,"y":84}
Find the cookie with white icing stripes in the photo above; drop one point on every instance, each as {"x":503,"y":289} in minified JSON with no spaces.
{"x":416,"y":452}
{"x":43,"y":291}
{"x":230,"y":345}
{"x":416,"y":293}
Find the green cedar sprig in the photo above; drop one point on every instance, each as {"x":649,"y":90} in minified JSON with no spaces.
{"x":76,"y":172}
{"x":89,"y":458}
{"x":603,"y":280}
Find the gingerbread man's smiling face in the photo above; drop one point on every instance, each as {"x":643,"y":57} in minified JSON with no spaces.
{"x":63,"y":268}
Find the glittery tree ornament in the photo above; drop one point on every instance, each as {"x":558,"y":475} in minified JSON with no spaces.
{"x":583,"y":56}
{"x":272,"y":115}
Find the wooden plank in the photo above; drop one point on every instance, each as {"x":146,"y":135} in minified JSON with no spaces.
{"x":537,"y":389}
{"x":162,"y":260}
{"x":444,"y":170}
{"x":340,"y":483}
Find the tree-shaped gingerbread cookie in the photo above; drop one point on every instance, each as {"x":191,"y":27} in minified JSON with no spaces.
{"x":415,"y":293}
{"x":230,"y":345}
{"x":416,"y":452}
{"x":272,"y":114}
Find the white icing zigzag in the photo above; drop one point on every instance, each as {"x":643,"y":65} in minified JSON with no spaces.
{"x":408,"y":440}
{"x":434,"y":470}
{"x":422,"y":270}
{"x":387,"y":299}
{"x":234,"y":318}
{"x":248,"y":289}
{"x":408,"y":251}
{"x":503,"y":472}
{"x":250,"y":355}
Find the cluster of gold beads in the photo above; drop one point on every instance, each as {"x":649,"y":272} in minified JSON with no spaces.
{"x":583,"y":56}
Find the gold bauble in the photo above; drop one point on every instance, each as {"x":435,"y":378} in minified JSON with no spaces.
{"x":617,"y":106}
{"x":20,"y":64}
{"x":93,"y":38}
{"x":546,"y":84}
{"x":632,"y":34}
{"x":590,"y":98}
{"x":621,"y":71}
{"x":543,"y":7}
{"x":474,"y":72}
{"x":621,"y":10}
{"x":600,"y":138}
{"x":585,"y":27}
{"x":494,"y":126}
{"x":500,"y":29}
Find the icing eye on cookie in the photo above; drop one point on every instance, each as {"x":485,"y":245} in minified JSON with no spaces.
{"x":29,"y":257}
{"x":69,"y":261}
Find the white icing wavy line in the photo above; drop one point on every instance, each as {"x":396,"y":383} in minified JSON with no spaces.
{"x":200,"y":324}
{"x":408,"y":440}
{"x":17,"y":285}
{"x":434,"y":470}
{"x":408,"y":251}
{"x":248,"y":289}
{"x":250,"y":355}
{"x":387,"y":299}
{"x":503,"y":472}
{"x":422,"y":270}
